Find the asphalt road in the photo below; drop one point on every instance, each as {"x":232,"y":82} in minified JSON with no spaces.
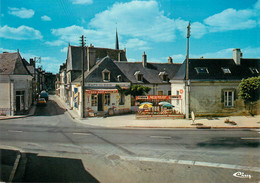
{"x":133,"y":155}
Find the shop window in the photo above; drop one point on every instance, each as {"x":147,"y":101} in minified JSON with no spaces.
{"x":107,"y":99}
{"x":229,"y":98}
{"x":160,"y":92}
{"x":122,"y":99}
{"x":94,"y":100}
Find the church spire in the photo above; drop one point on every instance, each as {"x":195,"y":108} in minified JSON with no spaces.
{"x":117,"y":43}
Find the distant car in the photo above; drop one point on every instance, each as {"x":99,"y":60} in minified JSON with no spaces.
{"x":41,"y":101}
{"x":44,"y":95}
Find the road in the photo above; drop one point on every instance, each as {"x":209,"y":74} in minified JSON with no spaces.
{"x":131,"y":155}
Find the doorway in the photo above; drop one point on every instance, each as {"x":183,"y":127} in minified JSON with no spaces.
{"x":100,"y":102}
{"x":19,"y":102}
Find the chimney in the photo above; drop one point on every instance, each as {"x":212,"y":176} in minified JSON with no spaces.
{"x":32,"y":63}
{"x":144,"y":62}
{"x":237,"y":55}
{"x":170,"y":60}
{"x":119,"y":56}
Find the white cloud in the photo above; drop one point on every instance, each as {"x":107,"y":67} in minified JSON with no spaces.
{"x":45,"y":18}
{"x":21,"y":12}
{"x":7,"y":50}
{"x":55,"y":43}
{"x":139,"y":19}
{"x":231,"y":19}
{"x":250,"y":52}
{"x":257,"y":5}
{"x":21,"y":33}
{"x":64,"y":50}
{"x":224,"y":53}
{"x":82,"y":1}
{"x":197,"y":29}
{"x":137,"y":44}
{"x":177,"y":58}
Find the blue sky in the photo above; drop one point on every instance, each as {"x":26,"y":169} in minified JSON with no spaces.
{"x":44,"y":28}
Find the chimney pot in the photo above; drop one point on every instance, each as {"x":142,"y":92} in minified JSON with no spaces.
{"x":237,"y":54}
{"x":144,"y":62}
{"x":170,"y":60}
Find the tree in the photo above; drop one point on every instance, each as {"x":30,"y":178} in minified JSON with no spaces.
{"x":249,"y":91}
{"x":134,"y":90}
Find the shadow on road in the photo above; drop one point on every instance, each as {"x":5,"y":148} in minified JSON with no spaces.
{"x":230,"y":142}
{"x":51,"y":109}
{"x":43,"y":169}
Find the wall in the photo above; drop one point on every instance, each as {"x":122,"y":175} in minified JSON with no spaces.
{"x":180,"y":87}
{"x":208,"y":98}
{"x":5,"y":95}
{"x":158,"y":87}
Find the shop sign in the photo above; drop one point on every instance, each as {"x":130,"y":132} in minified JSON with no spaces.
{"x":101,"y":91}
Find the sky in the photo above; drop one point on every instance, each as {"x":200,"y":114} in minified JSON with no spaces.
{"x":159,"y":27}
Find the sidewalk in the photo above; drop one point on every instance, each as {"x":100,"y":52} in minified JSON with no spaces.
{"x":130,"y":121}
{"x":31,"y":113}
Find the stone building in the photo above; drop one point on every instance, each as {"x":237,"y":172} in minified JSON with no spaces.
{"x":15,"y":85}
{"x":214,"y":84}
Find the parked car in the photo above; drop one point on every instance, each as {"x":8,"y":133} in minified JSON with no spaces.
{"x":44,"y":95}
{"x":41,"y":101}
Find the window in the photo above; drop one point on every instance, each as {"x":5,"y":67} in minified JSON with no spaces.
{"x":201,"y":70}
{"x":160,"y":92}
{"x":107,"y":99}
{"x":119,"y":78}
{"x":177,"y":93}
{"x":106,"y":75}
{"x":94,"y":100}
{"x":226,"y":70}
{"x":122,"y":99}
{"x":139,"y":76}
{"x":254,"y":70}
{"x":229,"y":98}
{"x":165,"y":78}
{"x":169,"y":92}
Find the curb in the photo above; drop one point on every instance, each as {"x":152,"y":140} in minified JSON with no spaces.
{"x":24,"y":116}
{"x":188,"y":127}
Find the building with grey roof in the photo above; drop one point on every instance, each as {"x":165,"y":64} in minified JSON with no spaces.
{"x":214,"y":83}
{"x":15,"y":84}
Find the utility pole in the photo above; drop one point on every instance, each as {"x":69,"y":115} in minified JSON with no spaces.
{"x":187,"y":83}
{"x":82,"y":104}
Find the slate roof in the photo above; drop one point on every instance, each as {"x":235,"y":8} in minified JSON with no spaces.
{"x":215,"y":71}
{"x":150,"y":73}
{"x":95,"y":74}
{"x":12,"y":64}
{"x":74,"y":56}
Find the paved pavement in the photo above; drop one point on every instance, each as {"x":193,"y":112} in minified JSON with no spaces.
{"x":130,"y":121}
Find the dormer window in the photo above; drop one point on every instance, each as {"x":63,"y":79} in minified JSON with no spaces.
{"x":139,"y":76}
{"x":201,"y":70}
{"x":106,"y":75}
{"x":164,"y":76}
{"x":254,"y":70}
{"x":119,"y":78}
{"x":226,"y":70}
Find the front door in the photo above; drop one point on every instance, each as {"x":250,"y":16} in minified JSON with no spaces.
{"x":100,"y":102}
{"x":19,"y":102}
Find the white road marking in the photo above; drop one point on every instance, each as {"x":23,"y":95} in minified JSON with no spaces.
{"x":190,"y":162}
{"x":250,"y":138}
{"x":81,"y":134}
{"x":160,"y":137}
{"x":15,"y":131}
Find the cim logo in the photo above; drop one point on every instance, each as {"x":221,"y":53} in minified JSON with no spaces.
{"x":242,"y":175}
